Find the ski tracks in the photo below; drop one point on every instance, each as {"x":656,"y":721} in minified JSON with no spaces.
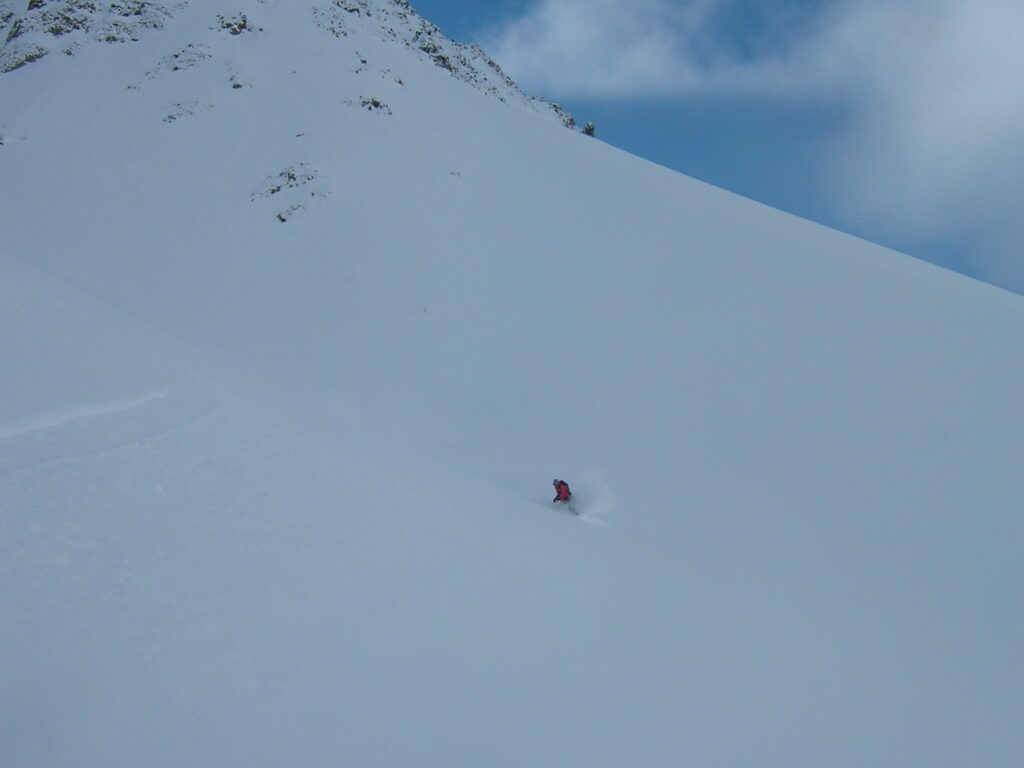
{"x":68,"y":415}
{"x":93,"y":428}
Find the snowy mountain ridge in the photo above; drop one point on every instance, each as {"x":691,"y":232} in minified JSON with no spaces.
{"x":64,"y":25}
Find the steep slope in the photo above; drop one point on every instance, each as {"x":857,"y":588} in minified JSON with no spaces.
{"x":300,"y":326}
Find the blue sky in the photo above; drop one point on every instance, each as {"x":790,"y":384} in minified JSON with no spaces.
{"x":901,"y":126}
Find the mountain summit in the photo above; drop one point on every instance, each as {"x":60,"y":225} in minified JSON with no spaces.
{"x":303,"y":306}
{"x":64,"y":26}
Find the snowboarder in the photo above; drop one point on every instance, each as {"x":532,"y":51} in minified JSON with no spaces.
{"x":562,"y":492}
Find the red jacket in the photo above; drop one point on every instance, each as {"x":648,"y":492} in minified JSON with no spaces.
{"x":562,"y":491}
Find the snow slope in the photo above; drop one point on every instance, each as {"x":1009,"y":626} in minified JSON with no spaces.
{"x":297,"y":327}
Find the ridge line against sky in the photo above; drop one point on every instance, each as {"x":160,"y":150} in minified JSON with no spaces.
{"x":897,"y":123}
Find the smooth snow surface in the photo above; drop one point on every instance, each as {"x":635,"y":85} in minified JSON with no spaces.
{"x":296,"y":328}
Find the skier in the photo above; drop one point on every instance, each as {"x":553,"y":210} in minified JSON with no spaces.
{"x":562,"y":492}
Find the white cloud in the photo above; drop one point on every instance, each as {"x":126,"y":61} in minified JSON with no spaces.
{"x":602,"y":47}
{"x":933,"y":143}
{"x":934,"y":146}
{"x":619,"y":49}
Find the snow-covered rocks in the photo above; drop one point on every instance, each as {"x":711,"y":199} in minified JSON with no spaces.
{"x":47,"y":25}
{"x":292,"y":190}
{"x":31,"y":33}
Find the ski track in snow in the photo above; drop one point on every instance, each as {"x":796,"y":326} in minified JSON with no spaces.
{"x":16,"y":456}
{"x":599,"y":522}
{"x":91,"y":410}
